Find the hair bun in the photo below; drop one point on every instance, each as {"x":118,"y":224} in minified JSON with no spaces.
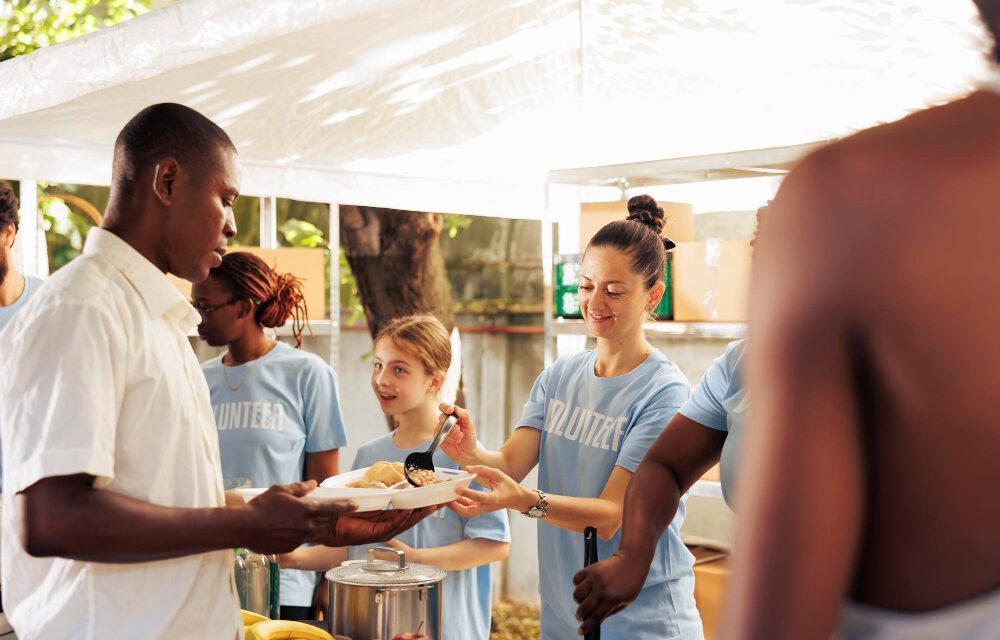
{"x":287,"y":296}
{"x":643,"y":208}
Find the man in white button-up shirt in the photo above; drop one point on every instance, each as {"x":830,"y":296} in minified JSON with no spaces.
{"x":114,"y":519}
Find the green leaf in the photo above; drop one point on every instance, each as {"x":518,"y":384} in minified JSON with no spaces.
{"x":33,"y":24}
{"x":455,"y":222}
{"x":299,"y":233}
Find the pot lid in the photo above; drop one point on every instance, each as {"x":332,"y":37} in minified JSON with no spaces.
{"x":384,"y":567}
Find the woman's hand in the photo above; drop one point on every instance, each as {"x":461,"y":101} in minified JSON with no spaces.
{"x":607,"y":587}
{"x":412,"y":554}
{"x":503,"y":493}
{"x":460,"y":445}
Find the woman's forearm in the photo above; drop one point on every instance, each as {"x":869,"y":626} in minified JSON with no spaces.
{"x":321,"y":465}
{"x":495,"y":459}
{"x":576,"y":514}
{"x":468,"y":553}
{"x":313,"y":558}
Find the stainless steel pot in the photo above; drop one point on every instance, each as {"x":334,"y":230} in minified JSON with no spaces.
{"x":382,"y":595}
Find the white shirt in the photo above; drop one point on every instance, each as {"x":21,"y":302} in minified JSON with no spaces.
{"x":98,"y":377}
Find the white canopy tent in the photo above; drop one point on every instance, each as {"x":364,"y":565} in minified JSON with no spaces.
{"x":467,"y":106}
{"x":463,"y":106}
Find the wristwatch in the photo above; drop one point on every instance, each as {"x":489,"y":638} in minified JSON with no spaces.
{"x":539,"y":510}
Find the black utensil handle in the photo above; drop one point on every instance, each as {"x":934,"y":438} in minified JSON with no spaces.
{"x":589,"y":558}
{"x":589,"y":546}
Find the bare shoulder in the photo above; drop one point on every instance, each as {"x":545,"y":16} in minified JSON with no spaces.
{"x":855,"y":189}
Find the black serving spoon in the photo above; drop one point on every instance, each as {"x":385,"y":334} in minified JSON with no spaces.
{"x":425,"y":459}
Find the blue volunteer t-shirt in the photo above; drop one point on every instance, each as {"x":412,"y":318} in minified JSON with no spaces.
{"x":283,"y":408}
{"x":31,"y":284}
{"x":589,"y":426}
{"x":465,"y":594}
{"x":720,"y":402}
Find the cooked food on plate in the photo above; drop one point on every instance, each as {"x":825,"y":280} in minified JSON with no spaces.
{"x":367,"y":484}
{"x":422,"y":477}
{"x":386,"y":473}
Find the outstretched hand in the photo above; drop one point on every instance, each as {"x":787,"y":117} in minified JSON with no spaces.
{"x":280,"y":520}
{"x":502,"y":493}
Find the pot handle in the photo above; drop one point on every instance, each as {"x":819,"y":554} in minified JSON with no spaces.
{"x":395,"y":553}
{"x":383,"y":624}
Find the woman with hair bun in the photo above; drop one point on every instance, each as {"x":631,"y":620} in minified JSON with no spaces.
{"x":709,"y":428}
{"x":276,"y":407}
{"x":588,"y":422}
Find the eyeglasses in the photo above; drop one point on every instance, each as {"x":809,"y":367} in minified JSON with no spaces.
{"x":204,"y":311}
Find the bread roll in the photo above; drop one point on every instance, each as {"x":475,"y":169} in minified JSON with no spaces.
{"x":367,"y":484}
{"x":385,"y":472}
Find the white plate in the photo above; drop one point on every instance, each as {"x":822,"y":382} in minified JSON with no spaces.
{"x":409,"y":497}
{"x":341,"y":480}
{"x":367,"y":499}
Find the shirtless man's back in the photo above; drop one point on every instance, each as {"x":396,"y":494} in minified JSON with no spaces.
{"x":875,"y":376}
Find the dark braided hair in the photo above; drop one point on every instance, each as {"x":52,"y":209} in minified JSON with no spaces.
{"x":639,"y":235}
{"x":8,"y":207}
{"x":276,"y":296}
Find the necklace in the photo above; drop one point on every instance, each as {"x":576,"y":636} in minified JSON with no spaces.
{"x":247,"y":374}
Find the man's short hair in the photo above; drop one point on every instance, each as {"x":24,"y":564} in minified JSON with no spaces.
{"x":165,"y":130}
{"x":8,"y":207}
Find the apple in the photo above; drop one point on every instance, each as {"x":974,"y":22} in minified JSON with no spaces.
{"x":410,"y":635}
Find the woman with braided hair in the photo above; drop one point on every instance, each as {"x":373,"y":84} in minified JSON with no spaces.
{"x":276,"y":407}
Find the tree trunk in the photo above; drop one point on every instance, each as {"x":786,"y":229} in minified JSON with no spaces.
{"x":397,"y":264}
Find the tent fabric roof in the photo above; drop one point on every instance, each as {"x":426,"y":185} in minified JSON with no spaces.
{"x":464,"y":106}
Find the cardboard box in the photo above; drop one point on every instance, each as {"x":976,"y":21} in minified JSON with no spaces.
{"x":679,"y":226}
{"x":713,"y":473}
{"x":712,"y":280}
{"x":711,"y":575}
{"x":306,"y":264}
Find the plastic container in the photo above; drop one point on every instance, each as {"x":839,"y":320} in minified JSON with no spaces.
{"x":256,"y":582}
{"x":403,"y":495}
{"x":367,"y":499}
{"x":441,"y":492}
{"x":566,"y":280}
{"x":665,"y":310}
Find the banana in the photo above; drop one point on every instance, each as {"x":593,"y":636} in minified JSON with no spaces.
{"x":285,"y":630}
{"x":249,"y":617}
